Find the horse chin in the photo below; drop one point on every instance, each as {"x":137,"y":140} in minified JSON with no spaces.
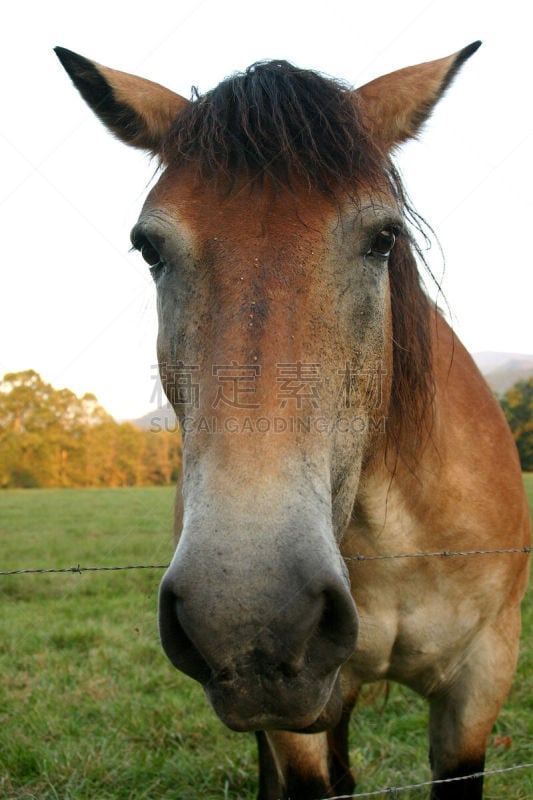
{"x":246,"y":716}
{"x":330,"y":715}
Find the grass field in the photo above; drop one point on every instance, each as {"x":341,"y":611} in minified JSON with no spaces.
{"x":90,"y":709}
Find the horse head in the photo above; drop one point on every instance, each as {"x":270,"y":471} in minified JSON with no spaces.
{"x":292,"y":350}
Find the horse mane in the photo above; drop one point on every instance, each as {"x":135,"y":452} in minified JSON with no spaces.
{"x":278,"y":122}
{"x":413,"y":388}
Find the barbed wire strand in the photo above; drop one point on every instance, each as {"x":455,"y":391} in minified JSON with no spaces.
{"x":391,"y":791}
{"x":79,"y":569}
{"x":439,"y":554}
{"x":359,"y":557}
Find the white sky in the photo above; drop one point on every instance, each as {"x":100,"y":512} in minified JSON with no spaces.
{"x":78,"y":308}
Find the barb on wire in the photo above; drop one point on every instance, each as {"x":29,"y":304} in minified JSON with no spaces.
{"x":394,"y":790}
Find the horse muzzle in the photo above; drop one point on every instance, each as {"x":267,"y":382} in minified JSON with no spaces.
{"x":272,"y":703}
{"x":266,"y":660}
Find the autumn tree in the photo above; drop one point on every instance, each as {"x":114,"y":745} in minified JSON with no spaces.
{"x":517,"y":404}
{"x":51,"y":437}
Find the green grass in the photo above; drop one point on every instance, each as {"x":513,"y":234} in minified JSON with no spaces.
{"x":91,"y":709}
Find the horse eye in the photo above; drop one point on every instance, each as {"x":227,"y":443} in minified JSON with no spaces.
{"x":383,"y":243}
{"x":150,"y":254}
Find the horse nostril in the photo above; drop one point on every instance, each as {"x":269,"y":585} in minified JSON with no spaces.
{"x":338,"y":626}
{"x":289,"y":670}
{"x":179,"y":648}
{"x":225,"y":675}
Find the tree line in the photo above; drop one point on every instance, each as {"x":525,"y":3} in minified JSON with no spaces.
{"x":52,"y":438}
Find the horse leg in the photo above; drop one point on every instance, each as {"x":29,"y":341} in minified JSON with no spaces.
{"x":305,"y":766}
{"x":302,"y":766}
{"x":341,"y":778}
{"x":269,"y":780}
{"x":454,"y":751}
{"x":462,"y":715}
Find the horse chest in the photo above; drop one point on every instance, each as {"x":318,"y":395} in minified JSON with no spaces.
{"x":410,"y":630}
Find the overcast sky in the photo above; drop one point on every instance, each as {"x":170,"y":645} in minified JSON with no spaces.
{"x":79,"y":308}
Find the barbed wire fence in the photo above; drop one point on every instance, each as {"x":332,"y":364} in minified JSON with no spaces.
{"x":389,"y":791}
{"x":394,"y":791}
{"x":357,"y":557}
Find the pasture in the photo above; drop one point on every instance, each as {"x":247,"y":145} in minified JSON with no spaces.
{"x":91,"y":708}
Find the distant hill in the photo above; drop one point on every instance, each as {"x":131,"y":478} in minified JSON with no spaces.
{"x":160,"y":419}
{"x":501,"y":371}
{"x":488,"y":361}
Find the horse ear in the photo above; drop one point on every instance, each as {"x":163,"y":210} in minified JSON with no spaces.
{"x":136,"y":110}
{"x":395,"y":106}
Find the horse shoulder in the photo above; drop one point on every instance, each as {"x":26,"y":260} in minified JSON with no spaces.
{"x":420,"y":617}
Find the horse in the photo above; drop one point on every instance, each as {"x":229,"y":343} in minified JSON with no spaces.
{"x":330,"y":418}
